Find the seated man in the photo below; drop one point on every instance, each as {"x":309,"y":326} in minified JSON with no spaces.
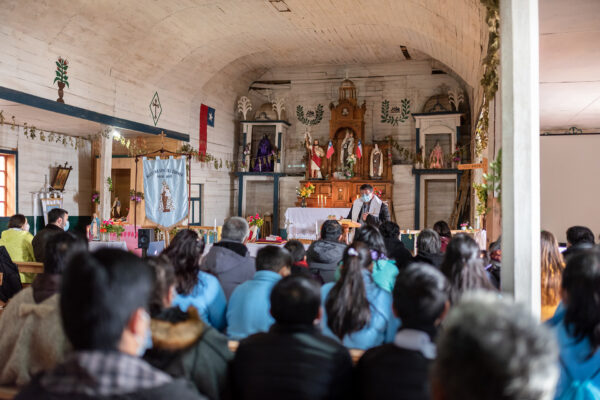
{"x":324,"y":255}
{"x":249,"y":305}
{"x":401,"y":369}
{"x":369,"y":205}
{"x":493,"y":349}
{"x":578,"y":238}
{"x":229,"y":259}
{"x":103,"y":307}
{"x":394,"y":246}
{"x":293,"y":360}
{"x":32,"y":338}
{"x":58,"y":221}
{"x":429,"y":248}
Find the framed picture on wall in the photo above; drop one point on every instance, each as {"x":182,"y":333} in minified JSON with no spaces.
{"x":60,"y":179}
{"x":50,"y":204}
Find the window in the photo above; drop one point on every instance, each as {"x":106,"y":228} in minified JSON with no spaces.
{"x":195,"y":212}
{"x":7,"y":184}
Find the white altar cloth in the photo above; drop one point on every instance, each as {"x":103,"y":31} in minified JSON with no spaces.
{"x":305,"y":223}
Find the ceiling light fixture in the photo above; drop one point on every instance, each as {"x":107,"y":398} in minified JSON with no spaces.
{"x":280,"y":5}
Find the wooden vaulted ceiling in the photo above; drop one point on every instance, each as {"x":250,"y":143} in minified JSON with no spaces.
{"x":183,"y":44}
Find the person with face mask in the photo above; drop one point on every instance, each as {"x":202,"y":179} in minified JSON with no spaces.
{"x":369,"y":208}
{"x":103,"y":306}
{"x":58,"y":221}
{"x":17,"y":241}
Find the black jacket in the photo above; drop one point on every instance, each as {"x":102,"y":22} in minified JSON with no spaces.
{"x":398,"y":252}
{"x":11,"y":281}
{"x":429,"y":258}
{"x":323,"y":257}
{"x":40,"y":240}
{"x":384,"y":215}
{"x":184,"y":346}
{"x":291,"y":363}
{"x":576,"y":248}
{"x":390,"y":372}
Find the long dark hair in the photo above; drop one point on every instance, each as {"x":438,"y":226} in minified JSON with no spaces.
{"x":581,"y":281}
{"x":164,"y":275}
{"x":463,"y":267}
{"x":185,"y":251}
{"x":346,"y":305}
{"x":442,"y":229}
{"x":371,"y":236}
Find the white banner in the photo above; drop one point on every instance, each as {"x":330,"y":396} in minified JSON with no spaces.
{"x":165,"y":191}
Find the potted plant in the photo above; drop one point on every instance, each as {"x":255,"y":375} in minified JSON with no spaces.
{"x":61,"y":77}
{"x":109,"y":227}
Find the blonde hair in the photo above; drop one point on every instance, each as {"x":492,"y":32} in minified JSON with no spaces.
{"x":552,"y":265}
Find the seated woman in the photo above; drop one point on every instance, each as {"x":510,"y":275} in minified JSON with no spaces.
{"x":552,"y":267}
{"x":194,"y":287}
{"x":443,"y":230}
{"x":463,"y":267}
{"x":384,"y":270}
{"x":17,"y":241}
{"x":183,"y":345}
{"x":32,"y":338}
{"x":578,"y":330}
{"x":357,"y":311}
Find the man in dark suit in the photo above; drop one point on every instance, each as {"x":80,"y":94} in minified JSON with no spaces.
{"x":369,"y":206}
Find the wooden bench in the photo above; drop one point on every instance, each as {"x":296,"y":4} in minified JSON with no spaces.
{"x":8,"y":392}
{"x":30,"y":267}
{"x":356,"y":354}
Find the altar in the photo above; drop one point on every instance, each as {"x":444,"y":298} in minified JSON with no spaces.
{"x":305,"y":223}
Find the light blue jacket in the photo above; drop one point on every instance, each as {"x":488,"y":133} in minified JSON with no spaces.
{"x":249,"y":309}
{"x":382,"y":326}
{"x":384,"y":274}
{"x":574,"y":364}
{"x":208,"y":298}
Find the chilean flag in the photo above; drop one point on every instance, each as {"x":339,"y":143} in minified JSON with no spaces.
{"x":207,"y":118}
{"x":359,"y":150}
{"x":330,"y":150}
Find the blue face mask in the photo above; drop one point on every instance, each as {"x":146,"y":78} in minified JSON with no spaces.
{"x":66,"y":228}
{"x":365,"y":198}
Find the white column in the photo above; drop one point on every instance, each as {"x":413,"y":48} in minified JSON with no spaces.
{"x":105,"y":172}
{"x":520,"y":151}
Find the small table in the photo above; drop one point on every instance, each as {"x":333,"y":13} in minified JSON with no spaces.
{"x":305,"y":223}
{"x":96,"y":245}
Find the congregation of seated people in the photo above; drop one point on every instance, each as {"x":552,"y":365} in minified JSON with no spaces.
{"x":364,"y":320}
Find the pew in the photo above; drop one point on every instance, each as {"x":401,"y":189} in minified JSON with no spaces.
{"x":8,"y":392}
{"x":30,"y":267}
{"x":356,"y":354}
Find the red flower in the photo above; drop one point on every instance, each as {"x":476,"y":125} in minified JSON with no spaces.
{"x":251,"y":219}
{"x":257,"y":216}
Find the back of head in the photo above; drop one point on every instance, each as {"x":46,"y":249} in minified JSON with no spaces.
{"x":389,"y":230}
{"x":235,"y":229}
{"x":273,"y":258}
{"x":17,"y":221}
{"x":59,"y":248}
{"x":99,"y":294}
{"x":581,"y":282}
{"x":371,"y":236}
{"x":579,"y":235}
{"x":295,"y":300}
{"x":492,"y":348}
{"x":420,"y":296}
{"x":164,"y":280}
{"x":442,"y":229}
{"x":429,"y":241}
{"x":331,"y":230}
{"x":55,"y":214}
{"x":296,"y":249}
{"x":551,"y":267}
{"x":346,"y":305}
{"x":463,"y":267}
{"x":185,"y":251}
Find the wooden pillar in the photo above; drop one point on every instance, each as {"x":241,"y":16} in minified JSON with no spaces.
{"x":520,"y":151}
{"x":105,"y":173}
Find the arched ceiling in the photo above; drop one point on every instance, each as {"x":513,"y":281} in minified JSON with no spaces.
{"x":183,"y":44}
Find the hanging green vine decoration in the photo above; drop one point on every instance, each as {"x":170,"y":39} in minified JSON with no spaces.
{"x":305,"y":121}
{"x":386,"y":118}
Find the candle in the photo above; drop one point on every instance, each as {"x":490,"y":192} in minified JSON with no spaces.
{"x":215,"y":224}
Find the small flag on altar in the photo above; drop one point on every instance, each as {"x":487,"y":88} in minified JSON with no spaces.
{"x":330,"y":150}
{"x":359,"y":150}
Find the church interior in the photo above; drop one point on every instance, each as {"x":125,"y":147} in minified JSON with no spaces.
{"x":130,"y":122}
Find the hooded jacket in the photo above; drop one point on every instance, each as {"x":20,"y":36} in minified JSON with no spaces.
{"x":231,"y":263}
{"x":323,"y":257}
{"x":18,"y":245}
{"x":184,"y":346}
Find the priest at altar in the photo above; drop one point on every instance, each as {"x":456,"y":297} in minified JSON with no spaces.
{"x":368,"y":206}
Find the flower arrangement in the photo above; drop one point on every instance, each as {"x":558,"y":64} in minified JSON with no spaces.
{"x":455,"y":157}
{"x":465,"y":226}
{"x":110,"y":227}
{"x":95,"y":197}
{"x":377,"y":193}
{"x":305,"y":191}
{"x":256,"y":221}
{"x":136,"y":196}
{"x":61,"y":71}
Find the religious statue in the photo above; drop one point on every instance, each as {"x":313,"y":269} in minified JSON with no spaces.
{"x":376,"y":163}
{"x":95,"y":228}
{"x":264,"y":156}
{"x":116,"y":208}
{"x":315,"y":156}
{"x":347,"y":149}
{"x":436,"y":158}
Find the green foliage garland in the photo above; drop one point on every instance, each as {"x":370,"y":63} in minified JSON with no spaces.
{"x":387,"y":118}
{"x":305,"y":121}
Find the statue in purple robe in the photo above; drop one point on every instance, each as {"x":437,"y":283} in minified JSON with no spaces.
{"x":264,"y":156}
